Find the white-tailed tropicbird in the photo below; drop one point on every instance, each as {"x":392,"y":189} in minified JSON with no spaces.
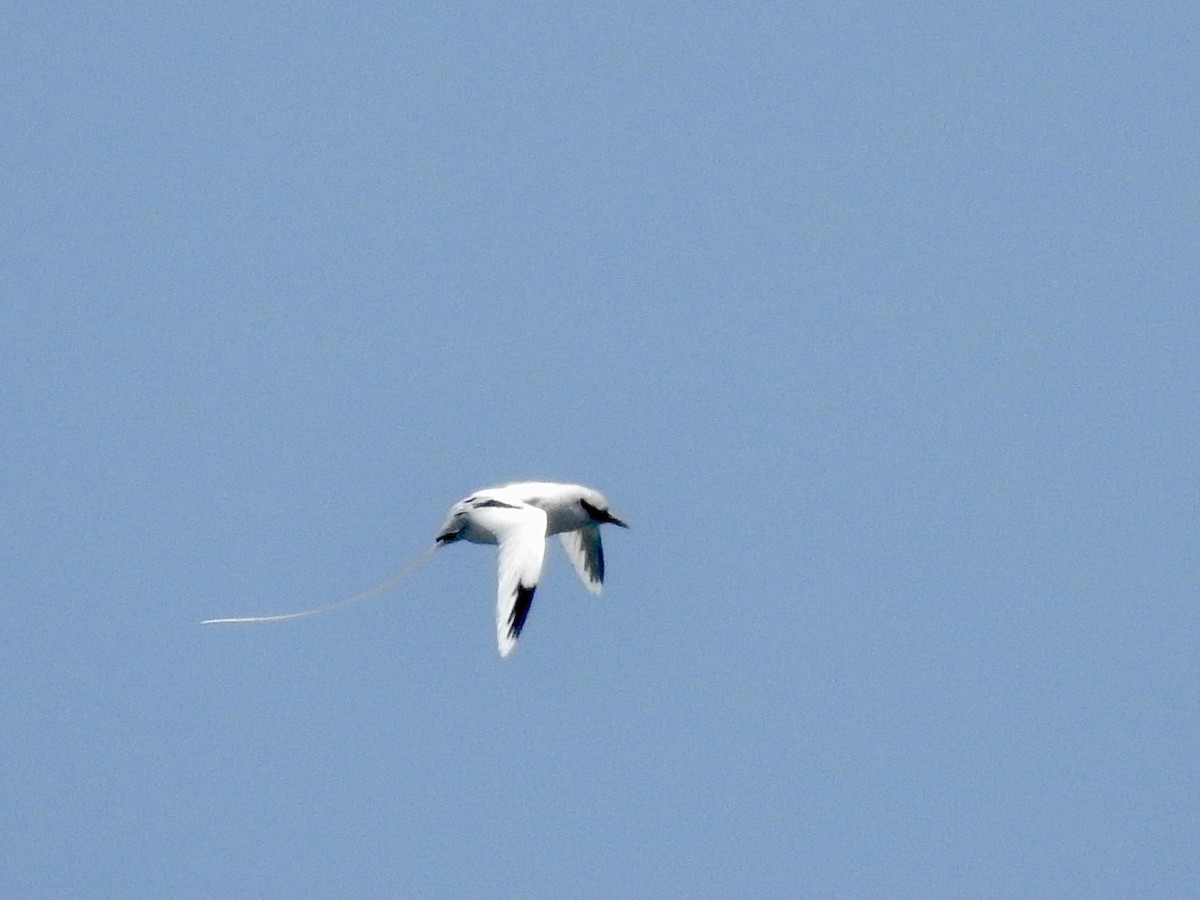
{"x":519,"y":517}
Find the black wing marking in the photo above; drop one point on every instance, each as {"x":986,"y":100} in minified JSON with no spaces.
{"x":520,"y":610}
{"x":586,"y":553}
{"x":491,"y":502}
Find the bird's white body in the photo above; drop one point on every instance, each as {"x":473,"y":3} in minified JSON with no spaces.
{"x":518,"y":518}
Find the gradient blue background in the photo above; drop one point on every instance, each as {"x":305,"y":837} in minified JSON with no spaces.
{"x":878,"y":321}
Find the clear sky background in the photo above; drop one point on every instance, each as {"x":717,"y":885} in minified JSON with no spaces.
{"x":879,"y":322}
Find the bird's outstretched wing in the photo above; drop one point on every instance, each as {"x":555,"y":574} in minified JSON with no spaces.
{"x":586,"y":554}
{"x":521,"y":534}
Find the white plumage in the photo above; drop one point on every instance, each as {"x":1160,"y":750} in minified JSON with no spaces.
{"x":518,"y":518}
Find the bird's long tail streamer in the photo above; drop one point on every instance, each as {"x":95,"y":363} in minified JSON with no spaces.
{"x":386,"y":585}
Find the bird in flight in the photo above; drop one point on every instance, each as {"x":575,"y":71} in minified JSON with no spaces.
{"x":517,"y":518}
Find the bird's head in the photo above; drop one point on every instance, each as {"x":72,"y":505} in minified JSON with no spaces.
{"x":596,"y":507}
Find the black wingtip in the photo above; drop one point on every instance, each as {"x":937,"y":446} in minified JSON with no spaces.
{"x":520,"y":610}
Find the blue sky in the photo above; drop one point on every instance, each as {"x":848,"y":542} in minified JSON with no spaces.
{"x":879,"y":322}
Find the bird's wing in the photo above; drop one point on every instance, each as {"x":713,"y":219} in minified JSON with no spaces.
{"x":521,"y":533}
{"x":587,"y":555}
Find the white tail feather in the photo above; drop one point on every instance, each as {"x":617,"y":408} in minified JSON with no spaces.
{"x":385,"y":585}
